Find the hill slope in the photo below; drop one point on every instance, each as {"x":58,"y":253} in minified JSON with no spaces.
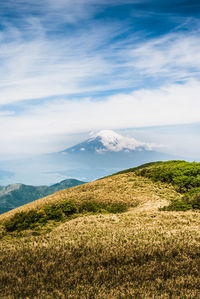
{"x":140,"y":253}
{"x":15,"y":195}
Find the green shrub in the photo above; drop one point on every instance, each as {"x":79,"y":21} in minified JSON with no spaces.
{"x":89,"y":206}
{"x":22,"y":220}
{"x":177,"y":205}
{"x":195,"y":201}
{"x":186,"y":203}
{"x":193,"y":191}
{"x":68,"y":208}
{"x":94,"y":207}
{"x":30,"y":219}
{"x":116,"y":208}
{"x":53,"y":212}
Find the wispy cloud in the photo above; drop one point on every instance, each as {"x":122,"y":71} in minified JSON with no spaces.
{"x":6,"y":113}
{"x":88,"y":61}
{"x":42,"y":67}
{"x":71,"y":50}
{"x":39,"y":129}
{"x":175,"y":56}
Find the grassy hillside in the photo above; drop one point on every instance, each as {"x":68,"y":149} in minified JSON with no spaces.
{"x":184,"y":176}
{"x":141,"y":253}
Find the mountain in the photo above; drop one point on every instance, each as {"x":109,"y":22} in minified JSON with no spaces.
{"x":106,"y":152}
{"x":15,"y":195}
{"x":108,"y":141}
{"x":106,"y":239}
{"x":101,"y":154}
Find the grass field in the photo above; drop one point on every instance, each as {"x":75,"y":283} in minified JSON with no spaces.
{"x":142,"y":253}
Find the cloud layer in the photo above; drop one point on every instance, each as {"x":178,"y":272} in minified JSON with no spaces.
{"x":69,"y":67}
{"x":38,"y":128}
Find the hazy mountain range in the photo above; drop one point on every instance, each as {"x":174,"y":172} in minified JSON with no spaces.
{"x":15,"y":195}
{"x":101,"y":154}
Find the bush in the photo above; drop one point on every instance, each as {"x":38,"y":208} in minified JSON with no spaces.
{"x":195,"y":201}
{"x":68,"y":208}
{"x":94,"y":207}
{"x":90,"y":206}
{"x":33,"y":218}
{"x":22,"y":220}
{"x":185,"y":204}
{"x":53,"y":212}
{"x":177,"y":205}
{"x":116,"y":208}
{"x":193,"y":191}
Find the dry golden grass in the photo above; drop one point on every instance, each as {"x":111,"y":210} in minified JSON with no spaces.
{"x":124,"y":188}
{"x":143,"y":253}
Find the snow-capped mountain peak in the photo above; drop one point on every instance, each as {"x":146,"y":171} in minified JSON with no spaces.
{"x":115,"y":142}
{"x":107,"y":136}
{"x":110,"y":141}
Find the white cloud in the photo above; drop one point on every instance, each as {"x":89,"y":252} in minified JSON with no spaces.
{"x":39,"y":129}
{"x":37,"y":63}
{"x":6,"y":113}
{"x":175,"y":56}
{"x":43,"y":66}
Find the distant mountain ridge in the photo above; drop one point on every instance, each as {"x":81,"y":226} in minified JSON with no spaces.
{"x":15,"y":195}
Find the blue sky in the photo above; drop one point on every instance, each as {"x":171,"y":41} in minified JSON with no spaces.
{"x":71,"y":67}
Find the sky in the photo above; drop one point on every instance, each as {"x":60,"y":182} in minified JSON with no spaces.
{"x":71,"y":67}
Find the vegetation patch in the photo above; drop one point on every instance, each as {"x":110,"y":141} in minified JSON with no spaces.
{"x":33,"y":218}
{"x":184,"y":204}
{"x":184,"y":176}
